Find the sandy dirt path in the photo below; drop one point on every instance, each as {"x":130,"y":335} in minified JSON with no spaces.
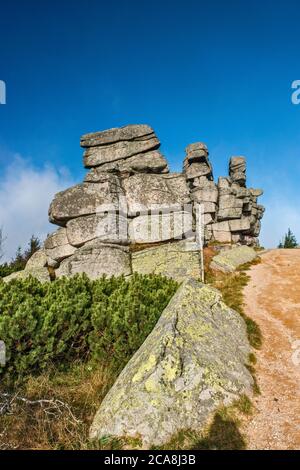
{"x":272,"y":299}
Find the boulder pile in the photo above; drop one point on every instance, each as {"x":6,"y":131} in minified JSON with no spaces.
{"x":130,"y":199}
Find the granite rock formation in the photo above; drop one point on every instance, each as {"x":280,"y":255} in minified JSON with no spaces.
{"x":130,"y":198}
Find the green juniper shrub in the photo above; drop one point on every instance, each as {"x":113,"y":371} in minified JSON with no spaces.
{"x":122,"y":320}
{"x":6,"y":269}
{"x":77,"y":319}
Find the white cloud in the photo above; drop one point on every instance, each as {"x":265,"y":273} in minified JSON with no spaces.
{"x":25,"y":194}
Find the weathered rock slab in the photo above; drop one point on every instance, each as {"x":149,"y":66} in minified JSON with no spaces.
{"x":198,"y":169}
{"x":145,"y":192}
{"x":177,"y":260}
{"x":192,"y":362}
{"x":209,"y":194}
{"x":230,"y":260}
{"x":161,"y":227}
{"x":96,"y":259}
{"x":107,"y":227}
{"x":237,"y":170}
{"x":86,"y":199}
{"x":240,"y":225}
{"x":229,"y":213}
{"x":228,"y":201}
{"x":57,"y":246}
{"x":117,"y":134}
{"x":149,"y":162}
{"x":95,"y":156}
{"x":221,"y":232}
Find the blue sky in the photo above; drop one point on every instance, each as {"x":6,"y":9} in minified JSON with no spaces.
{"x":218,"y":72}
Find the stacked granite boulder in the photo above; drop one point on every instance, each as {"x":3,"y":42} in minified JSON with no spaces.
{"x":238,"y":215}
{"x":132,"y":214}
{"x":199,"y":175}
{"x":127,"y":149}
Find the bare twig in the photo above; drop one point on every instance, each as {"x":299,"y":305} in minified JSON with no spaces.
{"x":52,"y":407}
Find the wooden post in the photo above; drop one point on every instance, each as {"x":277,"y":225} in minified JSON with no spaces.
{"x":200,"y":238}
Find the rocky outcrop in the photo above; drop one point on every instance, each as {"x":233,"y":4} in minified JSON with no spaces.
{"x":192,"y":362}
{"x":230,"y":259}
{"x":129,"y":197}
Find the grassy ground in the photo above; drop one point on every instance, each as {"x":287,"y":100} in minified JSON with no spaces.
{"x":231,"y":285}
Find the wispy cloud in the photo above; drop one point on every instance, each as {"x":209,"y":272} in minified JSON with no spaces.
{"x":25,"y":194}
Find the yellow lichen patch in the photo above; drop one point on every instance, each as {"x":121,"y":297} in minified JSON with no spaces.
{"x":151,"y":385}
{"x":212,"y":378}
{"x":145,"y":368}
{"x":171,"y":366}
{"x":209,"y":295}
{"x":198,"y":329}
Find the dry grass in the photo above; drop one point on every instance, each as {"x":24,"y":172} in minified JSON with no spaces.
{"x":63,"y":417}
{"x":231,"y":286}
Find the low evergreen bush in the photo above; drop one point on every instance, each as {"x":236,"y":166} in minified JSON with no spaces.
{"x":77,"y":319}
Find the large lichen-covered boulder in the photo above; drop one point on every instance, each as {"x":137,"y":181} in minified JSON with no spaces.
{"x":178,"y":260}
{"x":230,"y":260}
{"x":96,"y":259}
{"x":192,"y":362}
